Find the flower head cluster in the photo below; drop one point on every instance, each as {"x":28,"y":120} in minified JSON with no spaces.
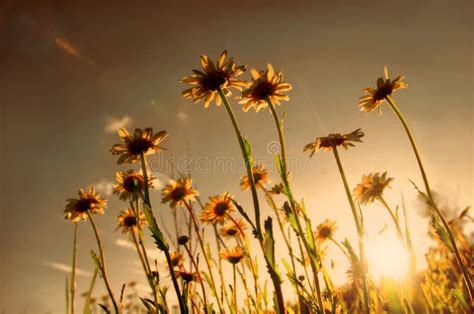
{"x":141,"y":142}
{"x":334,"y":140}
{"x":385,"y":88}
{"x":89,"y":202}
{"x":214,"y":76}
{"x":266,"y":86}
{"x":371,"y":187}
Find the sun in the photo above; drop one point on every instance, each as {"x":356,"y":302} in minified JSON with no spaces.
{"x":387,"y":257}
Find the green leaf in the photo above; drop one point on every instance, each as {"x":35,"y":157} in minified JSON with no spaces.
{"x":248,"y":151}
{"x":97,"y":263}
{"x":457,"y":293}
{"x":155,"y":230}
{"x":269,"y":243}
{"x":246,"y":217}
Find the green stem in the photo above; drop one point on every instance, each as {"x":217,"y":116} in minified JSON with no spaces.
{"x":73,"y":275}
{"x":146,"y":198}
{"x":145,"y":268}
{"x":273,"y":274}
{"x":395,"y":220}
{"x":102,"y":263}
{"x":360,"y":232}
{"x":465,"y":272}
{"x":246,"y":159}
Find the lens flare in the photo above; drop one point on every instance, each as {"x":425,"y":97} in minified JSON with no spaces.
{"x":387,"y":257}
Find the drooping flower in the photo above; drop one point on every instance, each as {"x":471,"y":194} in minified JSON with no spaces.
{"x":371,"y":187}
{"x":325,"y":230}
{"x":327,"y":143}
{"x":230,"y":229}
{"x":130,"y":184}
{"x":385,"y":88}
{"x":212,"y":77}
{"x":88,"y":201}
{"x":179,"y":192}
{"x":141,"y":142}
{"x":233,"y":255}
{"x":127,"y":220}
{"x":217,"y":208}
{"x":266,"y":85}
{"x":260,"y":177}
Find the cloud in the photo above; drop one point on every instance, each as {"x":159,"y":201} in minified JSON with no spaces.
{"x":113,"y":124}
{"x":104,"y":187}
{"x":182,"y":116}
{"x":65,"y":268}
{"x":124,"y":243}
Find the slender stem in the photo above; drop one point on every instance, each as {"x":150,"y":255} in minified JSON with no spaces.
{"x":360,"y":232}
{"x":145,"y":268}
{"x":102,"y":262}
{"x":204,"y":252}
{"x":219,"y":265}
{"x":462,"y":266}
{"x":89,"y":293}
{"x":146,"y":199}
{"x":395,"y":220}
{"x":280,"y":135}
{"x":234,"y":288}
{"x":73,"y":275}
{"x":273,"y":274}
{"x":201,"y":282}
{"x":246,"y":159}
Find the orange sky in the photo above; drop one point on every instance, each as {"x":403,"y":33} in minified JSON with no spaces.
{"x":119,"y":65}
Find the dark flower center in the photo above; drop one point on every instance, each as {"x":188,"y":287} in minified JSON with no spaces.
{"x":257,"y":177}
{"x":263,"y":90}
{"x":139,"y":145}
{"x":231,"y":231}
{"x":133,"y":183}
{"x":129,"y":221}
{"x":84,"y":205}
{"x":325,"y":232}
{"x":178,"y":193}
{"x":383,"y":91}
{"x":221,"y":208}
{"x":212,"y":81}
{"x":186,"y":276}
{"x":234,"y":259}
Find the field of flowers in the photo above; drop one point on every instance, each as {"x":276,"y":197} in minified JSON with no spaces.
{"x":225,"y":240}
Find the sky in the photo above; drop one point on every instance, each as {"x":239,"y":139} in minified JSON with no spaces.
{"x":72,"y":72}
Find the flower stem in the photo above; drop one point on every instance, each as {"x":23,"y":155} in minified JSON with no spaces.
{"x":146,"y":198}
{"x":246,"y":159}
{"x":204,"y":252}
{"x":73,"y":275}
{"x":102,"y":262}
{"x":273,"y":274}
{"x":465,"y":272}
{"x":234,"y":288}
{"x":201,"y":282}
{"x":360,"y":232}
{"x":395,"y":220}
{"x":145,"y":268}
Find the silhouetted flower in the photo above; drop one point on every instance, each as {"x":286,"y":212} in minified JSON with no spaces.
{"x":325,"y":230}
{"x":233,"y":255}
{"x":371,"y":187}
{"x":260,"y":177}
{"x":90,"y":201}
{"x":214,"y":76}
{"x":141,"y":142}
{"x":230,"y":229}
{"x":217,"y":208}
{"x":130,"y":184}
{"x":385,"y":87}
{"x":334,"y":140}
{"x":266,"y":85}
{"x":127,"y":220}
{"x":178,"y":192}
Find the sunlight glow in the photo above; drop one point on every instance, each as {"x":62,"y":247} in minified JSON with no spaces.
{"x":387,"y":257}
